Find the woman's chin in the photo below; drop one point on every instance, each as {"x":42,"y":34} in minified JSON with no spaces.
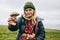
{"x":28,"y":16}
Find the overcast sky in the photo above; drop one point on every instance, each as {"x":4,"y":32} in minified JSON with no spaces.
{"x":49,"y":10}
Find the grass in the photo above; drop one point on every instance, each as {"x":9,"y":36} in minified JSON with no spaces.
{"x":52,"y":34}
{"x":6,"y":34}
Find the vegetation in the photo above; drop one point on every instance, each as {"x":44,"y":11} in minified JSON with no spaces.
{"x":6,"y":34}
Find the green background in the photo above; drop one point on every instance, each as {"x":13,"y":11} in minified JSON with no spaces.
{"x":6,"y":34}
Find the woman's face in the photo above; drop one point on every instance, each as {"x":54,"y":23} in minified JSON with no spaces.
{"x":29,"y":12}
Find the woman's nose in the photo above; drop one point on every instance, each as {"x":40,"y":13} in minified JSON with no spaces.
{"x":28,"y":12}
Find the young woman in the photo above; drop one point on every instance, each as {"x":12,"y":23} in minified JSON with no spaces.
{"x":30,"y":27}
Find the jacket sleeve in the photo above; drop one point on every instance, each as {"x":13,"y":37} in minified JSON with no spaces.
{"x":14,"y":28}
{"x":40,"y":32}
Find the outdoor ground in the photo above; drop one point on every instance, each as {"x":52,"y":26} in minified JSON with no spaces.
{"x":6,"y":34}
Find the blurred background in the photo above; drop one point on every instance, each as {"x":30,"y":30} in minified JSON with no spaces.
{"x":49,"y":10}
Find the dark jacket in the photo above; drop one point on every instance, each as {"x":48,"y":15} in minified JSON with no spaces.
{"x":21,"y":23}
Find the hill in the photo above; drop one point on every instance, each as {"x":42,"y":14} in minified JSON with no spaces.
{"x":6,"y":34}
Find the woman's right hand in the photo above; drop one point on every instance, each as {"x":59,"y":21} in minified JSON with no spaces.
{"x":11,"y":20}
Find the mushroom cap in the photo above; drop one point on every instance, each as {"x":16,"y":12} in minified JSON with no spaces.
{"x":14,"y":14}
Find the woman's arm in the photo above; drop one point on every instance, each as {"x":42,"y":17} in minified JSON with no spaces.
{"x":41,"y":32}
{"x":15,"y":27}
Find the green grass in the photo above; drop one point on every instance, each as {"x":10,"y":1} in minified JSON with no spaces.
{"x":52,"y":34}
{"x":6,"y":34}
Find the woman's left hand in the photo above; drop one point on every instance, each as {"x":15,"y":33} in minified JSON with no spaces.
{"x":32,"y":36}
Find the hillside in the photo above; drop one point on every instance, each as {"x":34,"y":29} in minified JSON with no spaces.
{"x":5,"y":34}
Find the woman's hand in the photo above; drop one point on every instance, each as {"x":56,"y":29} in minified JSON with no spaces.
{"x":24,"y":34}
{"x":11,"y":20}
{"x":32,"y":36}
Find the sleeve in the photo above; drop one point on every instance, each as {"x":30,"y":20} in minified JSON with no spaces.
{"x":41,"y":32}
{"x":14,"y":28}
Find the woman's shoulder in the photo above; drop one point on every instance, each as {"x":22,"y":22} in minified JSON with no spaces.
{"x":39,"y":19}
{"x":19,"y":18}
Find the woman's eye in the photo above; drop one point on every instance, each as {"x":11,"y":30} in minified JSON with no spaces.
{"x":26,"y":10}
{"x":29,"y":9}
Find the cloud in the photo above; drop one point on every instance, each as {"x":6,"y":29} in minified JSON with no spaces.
{"x":51,"y":18}
{"x":48,"y":4}
{"x":41,"y":5}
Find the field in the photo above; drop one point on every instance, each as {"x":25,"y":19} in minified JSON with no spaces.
{"x":6,"y":34}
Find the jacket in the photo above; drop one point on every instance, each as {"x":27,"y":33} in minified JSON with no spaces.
{"x":21,"y":23}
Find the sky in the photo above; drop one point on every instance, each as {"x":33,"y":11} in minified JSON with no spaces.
{"x":49,"y":10}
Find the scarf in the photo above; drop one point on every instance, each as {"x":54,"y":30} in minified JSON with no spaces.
{"x":33,"y":18}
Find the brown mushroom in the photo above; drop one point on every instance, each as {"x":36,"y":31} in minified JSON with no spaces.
{"x":14,"y":14}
